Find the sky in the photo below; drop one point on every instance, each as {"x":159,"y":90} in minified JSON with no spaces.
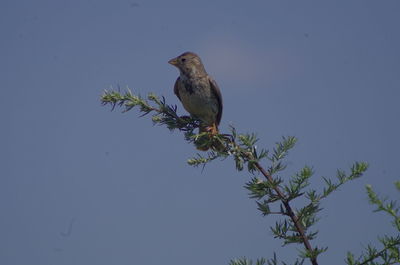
{"x":81,"y":184}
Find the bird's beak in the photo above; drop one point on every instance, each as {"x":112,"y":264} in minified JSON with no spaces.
{"x":173,"y":61}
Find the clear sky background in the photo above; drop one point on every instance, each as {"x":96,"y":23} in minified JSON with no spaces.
{"x":82,"y":185}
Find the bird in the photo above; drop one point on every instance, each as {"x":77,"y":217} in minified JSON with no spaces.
{"x":198,"y":92}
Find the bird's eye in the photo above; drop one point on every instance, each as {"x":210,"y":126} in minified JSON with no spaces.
{"x":183,"y":59}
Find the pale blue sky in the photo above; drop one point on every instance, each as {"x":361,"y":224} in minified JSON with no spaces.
{"x":82,"y":185}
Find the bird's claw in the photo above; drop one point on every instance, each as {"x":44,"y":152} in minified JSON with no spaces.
{"x":212,"y":129}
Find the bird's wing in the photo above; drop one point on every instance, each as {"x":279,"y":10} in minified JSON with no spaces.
{"x":177,"y":85}
{"x":217,"y":92}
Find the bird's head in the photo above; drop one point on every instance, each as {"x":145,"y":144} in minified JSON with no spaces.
{"x":189,"y":64}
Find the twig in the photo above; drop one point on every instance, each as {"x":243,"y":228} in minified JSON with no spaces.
{"x":290,"y":212}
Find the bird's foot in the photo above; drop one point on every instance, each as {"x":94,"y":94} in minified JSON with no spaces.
{"x":212,"y":129}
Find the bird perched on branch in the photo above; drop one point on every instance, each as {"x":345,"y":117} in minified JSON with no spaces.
{"x":198,"y":92}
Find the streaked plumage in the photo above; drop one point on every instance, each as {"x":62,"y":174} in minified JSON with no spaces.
{"x":198,"y":92}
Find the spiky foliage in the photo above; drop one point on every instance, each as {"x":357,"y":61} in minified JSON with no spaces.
{"x":389,"y":252}
{"x":273,"y":193}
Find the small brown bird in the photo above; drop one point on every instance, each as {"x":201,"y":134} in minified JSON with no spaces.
{"x":198,"y":92}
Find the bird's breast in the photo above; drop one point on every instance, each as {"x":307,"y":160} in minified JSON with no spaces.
{"x":198,"y":100}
